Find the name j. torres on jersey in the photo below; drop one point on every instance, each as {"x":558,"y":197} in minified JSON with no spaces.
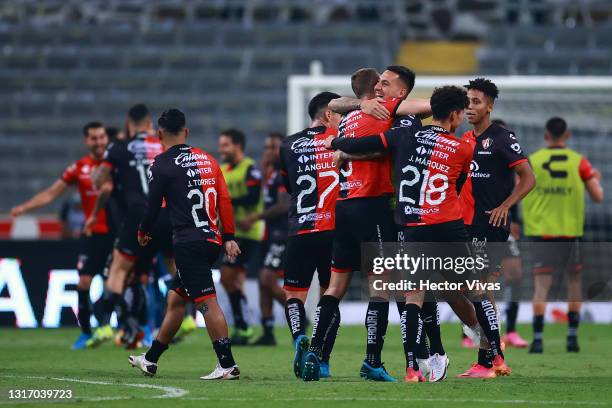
{"x":312,"y":180}
{"x":428,"y":162}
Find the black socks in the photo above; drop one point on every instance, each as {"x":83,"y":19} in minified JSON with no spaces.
{"x":296,"y":317}
{"x":511,"y":314}
{"x":324,"y":314}
{"x":84,"y":314}
{"x":223,"y":349}
{"x":487,"y":318}
{"x":236,"y":299}
{"x":431,"y":324}
{"x":376,"y":322}
{"x":156,"y":350}
{"x":412,"y":331}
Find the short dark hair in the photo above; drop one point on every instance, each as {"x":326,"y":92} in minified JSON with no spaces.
{"x":236,"y":135}
{"x":319,"y":103}
{"x":556,"y":127}
{"x":276,"y":135}
{"x":500,"y":122}
{"x":138,"y":113}
{"x":486,"y":86}
{"x":91,"y":125}
{"x":172,"y":121}
{"x":363,"y":81}
{"x":447,"y":99}
{"x":406,"y":75}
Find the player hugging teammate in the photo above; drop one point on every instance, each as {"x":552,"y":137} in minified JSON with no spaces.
{"x":480,"y":215}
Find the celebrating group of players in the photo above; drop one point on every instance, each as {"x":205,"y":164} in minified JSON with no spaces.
{"x":366,"y":170}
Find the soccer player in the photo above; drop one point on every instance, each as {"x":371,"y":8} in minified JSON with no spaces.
{"x":276,"y":207}
{"x":311,"y":178}
{"x":553,"y":214}
{"x":486,"y":197}
{"x":244,"y":185}
{"x":97,"y":241}
{"x":126,"y":162}
{"x":428,"y":208}
{"x":363,"y":210}
{"x":192,"y":185}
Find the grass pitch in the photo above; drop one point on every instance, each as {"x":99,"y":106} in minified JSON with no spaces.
{"x":41,"y":359}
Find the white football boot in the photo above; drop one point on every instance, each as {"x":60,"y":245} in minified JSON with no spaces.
{"x":220,"y":373}
{"x":438,"y":367}
{"x":148,"y":368}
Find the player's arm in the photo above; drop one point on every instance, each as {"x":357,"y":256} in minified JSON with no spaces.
{"x":526,"y":182}
{"x":284,"y":170}
{"x":101,"y":175}
{"x":591,"y":178}
{"x":155,"y":197}
{"x":41,"y":199}
{"x":414,"y":107}
{"x":253,"y":183}
{"x":103,"y":196}
{"x":226,"y":215}
{"x":373,"y":107}
{"x":341,"y":157}
{"x":362,"y":145}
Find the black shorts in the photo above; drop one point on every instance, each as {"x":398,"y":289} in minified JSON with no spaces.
{"x":480,"y":235}
{"x":306,"y":253}
{"x":359,"y":220}
{"x":454,"y":243}
{"x":194,"y":260}
{"x":127,"y":237}
{"x":94,"y":253}
{"x":554,"y":255}
{"x":452,"y":231}
{"x":274,"y":258}
{"x":249,"y":258}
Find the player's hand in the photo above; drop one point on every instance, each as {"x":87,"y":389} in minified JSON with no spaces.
{"x":246,"y":223}
{"x":498,"y":216}
{"x":515,"y":229}
{"x":87,"y":229}
{"x":328,"y":142}
{"x":338,"y":158}
{"x":374,"y":107}
{"x":232,"y":250}
{"x":17,"y":211}
{"x":143,"y":239}
{"x":597,"y":174}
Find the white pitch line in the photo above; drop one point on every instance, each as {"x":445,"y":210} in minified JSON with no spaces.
{"x":518,"y":402}
{"x":169,"y":392}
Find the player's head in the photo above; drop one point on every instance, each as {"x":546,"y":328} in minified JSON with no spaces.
{"x":319,"y":111}
{"x":172,"y":127}
{"x":363,"y":82}
{"x":115,"y":134}
{"x":271,"y":155}
{"x":448,"y":104}
{"x":482,"y":94}
{"x":395,"y":82}
{"x":556,"y":130}
{"x":231,"y":145}
{"x":139,"y":119}
{"x":95,"y":138}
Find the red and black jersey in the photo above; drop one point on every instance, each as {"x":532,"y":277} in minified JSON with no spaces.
{"x":428,"y":162}
{"x":366,"y":178}
{"x":192,"y":184}
{"x":277,"y":228}
{"x":130,"y":161}
{"x":491,"y":178}
{"x":311,"y":178}
{"x":79,"y":173}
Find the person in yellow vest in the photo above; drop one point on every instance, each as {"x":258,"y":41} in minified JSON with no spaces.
{"x":553,"y":213}
{"x":244,"y":182}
